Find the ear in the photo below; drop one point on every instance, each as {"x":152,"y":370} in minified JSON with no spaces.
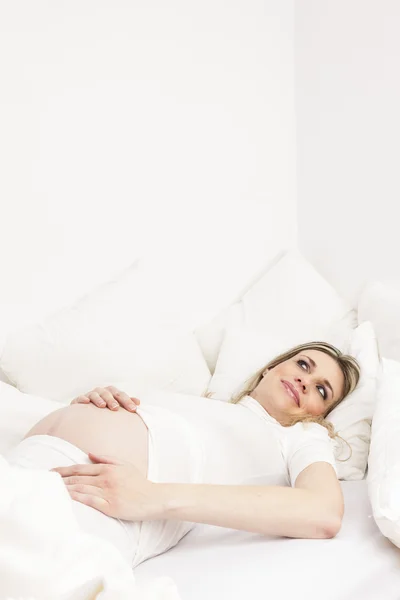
{"x":265,"y":372}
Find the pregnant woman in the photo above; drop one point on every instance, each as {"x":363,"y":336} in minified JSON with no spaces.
{"x":142,"y":476}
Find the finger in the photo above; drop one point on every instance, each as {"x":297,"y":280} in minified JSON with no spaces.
{"x":90,"y":490}
{"x":108,"y":398}
{"x":136,"y":400}
{"x":81,"y":400}
{"x":96,"y":399}
{"x":123,"y":399}
{"x":107,"y":460}
{"x":78,"y":470}
{"x":94,"y":501}
{"x":93,"y":480}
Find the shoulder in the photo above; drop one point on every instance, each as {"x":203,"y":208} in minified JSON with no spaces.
{"x":307,"y":432}
{"x":306,"y":444}
{"x":308,"y":438}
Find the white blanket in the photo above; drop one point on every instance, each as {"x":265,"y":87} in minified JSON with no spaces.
{"x":44,"y":554}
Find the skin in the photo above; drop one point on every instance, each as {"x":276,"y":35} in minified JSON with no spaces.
{"x":309,"y":382}
{"x":109,"y":397}
{"x":312,"y":509}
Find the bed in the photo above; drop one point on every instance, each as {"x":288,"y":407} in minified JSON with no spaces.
{"x":135,"y":347}
{"x":213,"y":562}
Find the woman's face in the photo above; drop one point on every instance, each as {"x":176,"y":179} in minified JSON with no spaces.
{"x":306,"y":384}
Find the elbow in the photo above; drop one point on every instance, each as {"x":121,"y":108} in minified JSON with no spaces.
{"x":330,"y":527}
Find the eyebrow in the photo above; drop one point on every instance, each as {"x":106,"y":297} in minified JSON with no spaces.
{"x":325,"y":380}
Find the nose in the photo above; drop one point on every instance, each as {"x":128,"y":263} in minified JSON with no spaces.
{"x":301,"y":384}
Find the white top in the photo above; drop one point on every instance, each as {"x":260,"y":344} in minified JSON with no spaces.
{"x":241,"y":443}
{"x":201,"y":440}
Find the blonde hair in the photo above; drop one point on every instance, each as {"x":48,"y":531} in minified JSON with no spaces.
{"x":348,"y":365}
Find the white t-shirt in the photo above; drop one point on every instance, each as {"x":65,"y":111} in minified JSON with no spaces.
{"x":241,"y":443}
{"x":200,"y":440}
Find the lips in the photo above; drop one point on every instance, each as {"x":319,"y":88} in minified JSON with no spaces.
{"x":292,"y":391}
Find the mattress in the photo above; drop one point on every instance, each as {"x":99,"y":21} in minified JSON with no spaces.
{"x":215,"y":563}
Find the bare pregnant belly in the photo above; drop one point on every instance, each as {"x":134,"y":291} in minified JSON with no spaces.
{"x":120,"y":433}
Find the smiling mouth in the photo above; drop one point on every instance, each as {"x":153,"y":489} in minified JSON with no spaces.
{"x":292,"y":392}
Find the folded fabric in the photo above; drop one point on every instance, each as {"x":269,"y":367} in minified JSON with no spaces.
{"x":44,"y":554}
{"x":19,"y":412}
{"x":384,"y":457}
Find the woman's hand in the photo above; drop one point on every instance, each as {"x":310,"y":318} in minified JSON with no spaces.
{"x":115,"y":488}
{"x":109,"y":397}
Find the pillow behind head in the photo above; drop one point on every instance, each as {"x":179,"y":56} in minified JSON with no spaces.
{"x":245,"y":351}
{"x":352,"y":418}
{"x":291,"y":296}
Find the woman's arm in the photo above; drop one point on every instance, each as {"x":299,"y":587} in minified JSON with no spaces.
{"x":313,"y":509}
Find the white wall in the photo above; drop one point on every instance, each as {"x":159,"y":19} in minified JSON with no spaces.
{"x":348,"y":130}
{"x":141,"y":129}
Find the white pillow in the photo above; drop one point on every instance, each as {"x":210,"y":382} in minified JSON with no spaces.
{"x":115,"y":333}
{"x":291,"y":296}
{"x":245,"y":351}
{"x":384,"y":457}
{"x":18,"y":413}
{"x":353,"y":417}
{"x":211,"y":334}
{"x":379,"y":303}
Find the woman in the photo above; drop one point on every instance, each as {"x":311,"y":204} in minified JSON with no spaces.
{"x":176,"y":462}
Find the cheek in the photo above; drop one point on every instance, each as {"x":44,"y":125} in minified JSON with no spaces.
{"x":314,"y":411}
{"x":281,"y":369}
{"x":269,"y":386}
{"x":316,"y":406}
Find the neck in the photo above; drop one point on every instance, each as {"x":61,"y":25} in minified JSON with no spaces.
{"x":282,"y":418}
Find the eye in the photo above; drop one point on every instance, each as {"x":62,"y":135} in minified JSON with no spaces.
{"x":303,"y":362}
{"x":320,"y":388}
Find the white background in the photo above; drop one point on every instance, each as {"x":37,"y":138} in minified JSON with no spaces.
{"x":171,"y":131}
{"x":347,"y":71}
{"x":146,"y":128}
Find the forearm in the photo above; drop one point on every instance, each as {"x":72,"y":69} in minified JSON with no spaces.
{"x":269,"y":510}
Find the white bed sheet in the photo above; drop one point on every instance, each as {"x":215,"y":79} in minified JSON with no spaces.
{"x":215,"y":563}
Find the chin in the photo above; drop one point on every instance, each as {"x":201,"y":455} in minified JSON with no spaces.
{"x":295,"y":411}
{"x":291,"y":406}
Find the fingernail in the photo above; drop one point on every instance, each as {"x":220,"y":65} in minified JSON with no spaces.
{"x":102,"y":403}
{"x":114,"y":404}
{"x":132,"y":407}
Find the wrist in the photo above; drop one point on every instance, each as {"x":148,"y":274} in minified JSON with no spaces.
{"x":171,"y":500}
